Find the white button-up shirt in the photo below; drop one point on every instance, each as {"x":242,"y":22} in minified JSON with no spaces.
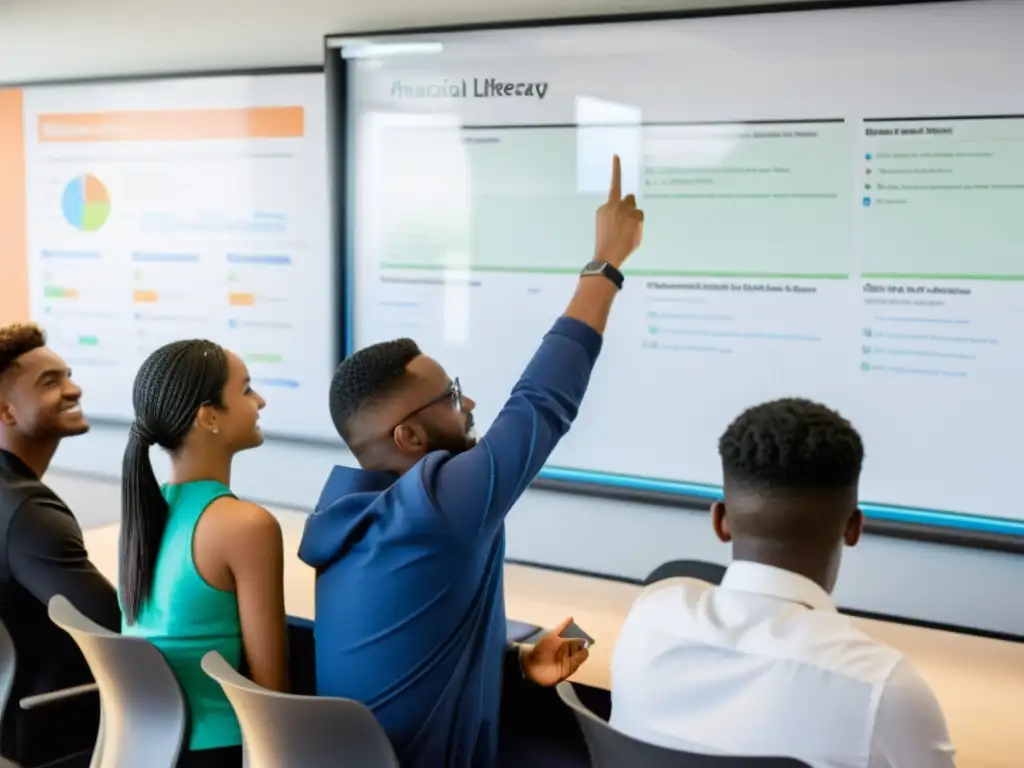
{"x":765,"y":665}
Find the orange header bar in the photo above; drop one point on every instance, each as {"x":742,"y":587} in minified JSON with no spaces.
{"x":174,"y":125}
{"x":13,"y":233}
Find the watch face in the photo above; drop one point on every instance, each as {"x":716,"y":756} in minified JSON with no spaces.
{"x":604,"y":269}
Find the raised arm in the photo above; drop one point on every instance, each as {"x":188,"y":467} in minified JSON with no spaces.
{"x":47,"y":557}
{"x":477,"y":488}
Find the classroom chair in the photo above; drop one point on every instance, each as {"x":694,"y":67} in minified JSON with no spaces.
{"x":8,"y":662}
{"x":143,"y":713}
{"x":301,"y":731}
{"x":611,"y":749}
{"x":690,"y":569}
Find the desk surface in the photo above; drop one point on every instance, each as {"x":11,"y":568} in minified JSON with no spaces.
{"x":979,"y":682}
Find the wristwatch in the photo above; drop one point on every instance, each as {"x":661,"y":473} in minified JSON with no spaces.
{"x":605,"y":269}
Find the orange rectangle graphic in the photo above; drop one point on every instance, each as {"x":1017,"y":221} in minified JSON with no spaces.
{"x":14,"y":305}
{"x":241,"y":299}
{"x":174,"y":125}
{"x":146,"y":297}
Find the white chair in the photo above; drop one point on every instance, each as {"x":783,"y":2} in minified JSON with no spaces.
{"x":8,"y":663}
{"x":144,"y":715}
{"x":301,"y":731}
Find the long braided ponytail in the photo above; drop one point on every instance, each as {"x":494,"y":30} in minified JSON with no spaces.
{"x":170,"y":387}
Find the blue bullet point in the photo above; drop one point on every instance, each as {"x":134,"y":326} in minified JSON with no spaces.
{"x":867,"y":202}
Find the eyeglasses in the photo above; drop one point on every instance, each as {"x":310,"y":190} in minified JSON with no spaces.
{"x":453,"y":393}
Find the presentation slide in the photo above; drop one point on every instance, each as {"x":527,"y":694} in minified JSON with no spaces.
{"x":833,"y":211}
{"x":158,"y":210}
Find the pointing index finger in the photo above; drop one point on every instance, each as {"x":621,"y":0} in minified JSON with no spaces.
{"x":615,"y":193}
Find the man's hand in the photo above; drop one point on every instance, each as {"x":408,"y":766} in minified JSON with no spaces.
{"x":620,"y":224}
{"x":554,"y":659}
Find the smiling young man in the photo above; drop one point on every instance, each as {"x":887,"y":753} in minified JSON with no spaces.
{"x":42,"y":553}
{"x":409,"y":548}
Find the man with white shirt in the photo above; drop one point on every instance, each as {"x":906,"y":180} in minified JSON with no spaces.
{"x":764,"y":664}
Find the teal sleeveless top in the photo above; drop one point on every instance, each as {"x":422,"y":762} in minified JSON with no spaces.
{"x":186,"y":618}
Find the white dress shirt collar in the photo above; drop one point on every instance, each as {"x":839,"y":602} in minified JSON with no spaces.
{"x":692,"y":660}
{"x":767,"y":580}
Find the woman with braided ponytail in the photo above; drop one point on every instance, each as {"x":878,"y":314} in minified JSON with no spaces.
{"x":200,"y":570}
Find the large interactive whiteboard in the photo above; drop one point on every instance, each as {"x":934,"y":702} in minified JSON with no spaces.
{"x":155,"y":210}
{"x":834,"y":207}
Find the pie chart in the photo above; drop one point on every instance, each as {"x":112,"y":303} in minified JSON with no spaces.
{"x":86,"y":203}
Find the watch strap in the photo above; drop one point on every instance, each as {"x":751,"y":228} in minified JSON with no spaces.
{"x":604,"y":269}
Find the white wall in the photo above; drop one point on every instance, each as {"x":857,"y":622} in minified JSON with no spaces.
{"x":42,"y":39}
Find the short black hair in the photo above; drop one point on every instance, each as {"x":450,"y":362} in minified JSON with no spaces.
{"x":18,"y":339}
{"x":791,"y":445}
{"x":365,"y":376}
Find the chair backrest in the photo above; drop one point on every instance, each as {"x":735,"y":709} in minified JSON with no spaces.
{"x":301,"y":731}
{"x":8,"y":664}
{"x":611,"y":749}
{"x":691,"y":569}
{"x":143,"y":710}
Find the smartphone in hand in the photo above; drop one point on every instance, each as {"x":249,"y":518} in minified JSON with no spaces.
{"x":575,"y":632}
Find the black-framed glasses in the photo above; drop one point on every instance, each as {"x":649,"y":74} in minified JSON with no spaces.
{"x":453,"y":393}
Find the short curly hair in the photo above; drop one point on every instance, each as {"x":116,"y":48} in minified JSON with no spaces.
{"x":18,"y":339}
{"x":792,"y":445}
{"x":365,"y":376}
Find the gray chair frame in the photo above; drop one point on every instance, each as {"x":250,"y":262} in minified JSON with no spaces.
{"x":143,"y":712}
{"x":610,"y":749}
{"x":301,"y":731}
{"x":8,"y":665}
{"x":703,"y":570}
